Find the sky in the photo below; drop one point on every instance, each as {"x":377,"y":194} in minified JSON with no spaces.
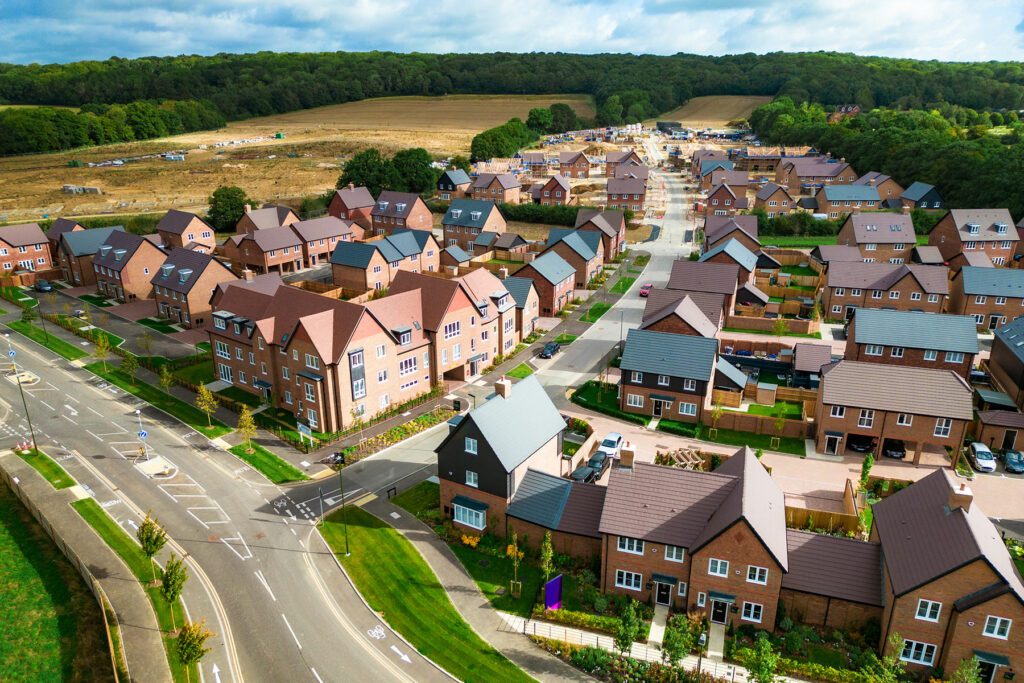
{"x":47,"y":31}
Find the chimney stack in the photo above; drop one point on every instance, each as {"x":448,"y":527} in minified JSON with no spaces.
{"x":248,"y":275}
{"x":502,"y":273}
{"x":503,"y":387}
{"x":960,"y":496}
{"x":871,"y":182}
{"x":906,"y":210}
{"x":248,"y":208}
{"x":351,"y":186}
{"x":627,"y":455}
{"x":856,"y":209}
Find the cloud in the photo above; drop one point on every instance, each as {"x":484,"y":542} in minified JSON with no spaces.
{"x":69,"y":30}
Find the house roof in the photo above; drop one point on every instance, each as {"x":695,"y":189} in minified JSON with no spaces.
{"x":270,"y":239}
{"x":458,"y":253}
{"x":355,"y":197}
{"x":533,"y":157}
{"x":815,"y":167}
{"x":717,"y":227}
{"x":675,"y":355}
{"x":828,"y":253}
{"x":401,"y":312}
{"x":560,"y":180}
{"x":730,"y":177}
{"x":881,"y":227}
{"x":711,"y":304}
{"x":698,"y":276}
{"x":808,"y":357}
{"x":1008,"y":282}
{"x":23,"y":235}
{"x":923,"y":539}
{"x":552,"y":267}
{"x":123,"y":246}
{"x":454,"y":176}
{"x":355,"y":254}
{"x":177,"y":222}
{"x":917,"y":191}
{"x":438,"y":293}
{"x":769,"y":189}
{"x":322,"y":228}
{"x":574,"y":240}
{"x":1001,"y":418}
{"x":394,"y":247}
{"x":507,"y":181}
{"x":882,"y":276}
{"x":183,"y":267}
{"x":929,"y":256}
{"x":835,"y":567}
{"x":519,"y":288}
{"x":866,"y":179}
{"x":471,"y":213}
{"x":978,"y":259}
{"x":83,"y":242}
{"x":915,"y":330}
{"x":709,"y":165}
{"x":270,"y":216}
{"x":627,"y":186}
{"x":485,"y":239}
{"x":988,"y":222}
{"x":558,"y":504}
{"x":1012,"y":335}
{"x":395,"y":204}
{"x":631,"y":170}
{"x":620,"y":156}
{"x":484,"y":287}
{"x":735,"y":250}
{"x":508,"y":240}
{"x":689,"y":312}
{"x":570,"y":157}
{"x":607,"y":221}
{"x":731,"y":372}
{"x":851,"y":193}
{"x":61,"y":226}
{"x":897,"y":389}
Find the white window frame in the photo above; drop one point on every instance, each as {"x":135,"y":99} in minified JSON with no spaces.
{"x":904,"y":420}
{"x":838,"y":411}
{"x":635,"y":400}
{"x":471,"y":445}
{"x":928,"y":610}
{"x":632,"y":581}
{"x":633,"y":546}
{"x":874,"y":350}
{"x":689,"y":409}
{"x":675,"y":553}
{"x":896,"y":352}
{"x":718,"y":567}
{"x":866,"y":419}
{"x":689,"y":385}
{"x":931,"y":354}
{"x":749,"y":610}
{"x":917,"y":652}
{"x":954,"y":357}
{"x":472,"y":479}
{"x":992,"y":627}
{"x":637,"y":376}
{"x":663,"y":380}
{"x":943,"y":427}
{"x":468,"y":516}
{"x":758,"y":575}
{"x":702,"y":599}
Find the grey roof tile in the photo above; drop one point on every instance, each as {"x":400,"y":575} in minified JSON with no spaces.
{"x":915,"y":330}
{"x":675,"y":355}
{"x":834,"y":567}
{"x":897,"y":388}
{"x":501,"y":421}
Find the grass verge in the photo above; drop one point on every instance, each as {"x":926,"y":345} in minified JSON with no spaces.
{"x":622,"y":285}
{"x":48,"y":467}
{"x":398,"y":584}
{"x":595,"y":312}
{"x":421,"y":498}
{"x":601,"y":397}
{"x":55,"y":344}
{"x":200,"y":373}
{"x":493,"y":576}
{"x":770,"y":333}
{"x":268,"y":464}
{"x":17,"y":296}
{"x":565,"y":339}
{"x":241,"y":395}
{"x":159,"y":325}
{"x":521,"y":371}
{"x":731,"y":437}
{"x":96,"y":300}
{"x":175,"y":407}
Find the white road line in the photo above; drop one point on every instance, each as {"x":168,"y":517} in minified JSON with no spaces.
{"x":95,"y":411}
{"x":263,"y":580}
{"x":316,"y":675}
{"x":291,"y":631}
{"x":205,"y":525}
{"x":93,"y":435}
{"x":293,"y":531}
{"x":74,"y":423}
{"x":72,"y":398}
{"x":47,"y":405}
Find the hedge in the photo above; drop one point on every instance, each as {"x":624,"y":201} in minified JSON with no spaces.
{"x":593,"y":622}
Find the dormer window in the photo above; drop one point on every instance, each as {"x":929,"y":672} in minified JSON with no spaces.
{"x":405,"y":338}
{"x":119,"y":254}
{"x":183,"y":275}
{"x":475,"y":215}
{"x":399,"y":207}
{"x":973,"y":228}
{"x":237,"y":328}
{"x":456,"y":213}
{"x":382,"y":205}
{"x":1001,"y":228}
{"x":896,"y":228}
{"x":165,"y":270}
{"x":105,"y":249}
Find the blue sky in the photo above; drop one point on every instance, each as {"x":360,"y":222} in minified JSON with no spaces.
{"x":68,"y":30}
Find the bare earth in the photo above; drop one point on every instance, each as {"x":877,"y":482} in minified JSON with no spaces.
{"x":715,"y":111}
{"x":305,"y":162}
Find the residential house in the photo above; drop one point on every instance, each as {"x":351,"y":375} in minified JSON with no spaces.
{"x":707,"y":169}
{"x":466,"y":219}
{"x":527,"y":303}
{"x":999,"y":429}
{"x":723,"y":200}
{"x":573,"y":165}
{"x":720,"y":229}
{"x":453,"y":184}
{"x":555,"y":192}
{"x":1006,"y":361}
{"x":184,"y":283}
{"x":499,"y":241}
{"x":76,"y":251}
{"x":400,"y":210}
{"x":880,"y":236}
{"x":583,"y":251}
{"x":320,"y":236}
{"x":912,"y":338}
{"x":125,"y":265}
{"x":732,"y":251}
{"x":704,"y":277}
{"x":667,"y":375}
{"x":843,"y":111}
{"x":992,"y":296}
{"x":373,"y":265}
{"x":632,"y":170}
{"x":680,"y":313}
{"x":808,"y":360}
{"x":265,"y":251}
{"x":612,"y":160}
{"x":270,"y":216}
{"x":704,"y":154}
{"x":353,"y":204}
{"x":737,"y":180}
{"x":553,"y":279}
{"x":889,"y":191}
{"x":838,"y":200}
{"x":485,"y":458}
{"x":611,"y":225}
{"x":570,"y":511}
{"x":24,"y":247}
{"x":921,"y":407}
{"x":774,"y":200}
{"x":920,"y":195}
{"x":497,"y":309}
{"x":763,"y":160}
{"x":500,"y":188}
{"x":455,"y":257}
{"x":806,"y":175}
{"x":963,"y":231}
{"x":536,"y":163}
{"x":929,"y":256}
{"x":59,"y":227}
{"x":852,"y":285}
{"x":186,"y":230}
{"x":627,"y":194}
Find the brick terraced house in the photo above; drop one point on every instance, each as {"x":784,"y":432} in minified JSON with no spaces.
{"x":611,"y":225}
{"x":881,"y":237}
{"x":184,"y":284}
{"x":76,"y":251}
{"x":553,"y":279}
{"x":320,"y":236}
{"x":362,"y":266}
{"x":966,"y":231}
{"x":265,"y":251}
{"x":852,"y":285}
{"x":626,"y":194}
{"x":805,"y":175}
{"x":838,"y":200}
{"x":467,"y":219}
{"x":583,"y":250}
{"x":992,"y":296}
{"x":499,"y":188}
{"x":913,"y":338}
{"x":270,"y":216}
{"x":398,"y":210}
{"x":125,"y":265}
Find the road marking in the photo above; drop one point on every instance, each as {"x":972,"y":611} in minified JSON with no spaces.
{"x":95,"y":411}
{"x":75,"y":423}
{"x":263,"y":580}
{"x":292,"y":530}
{"x":291,"y":631}
{"x":72,"y":398}
{"x":47,"y":405}
{"x":401,"y":655}
{"x":316,"y":675}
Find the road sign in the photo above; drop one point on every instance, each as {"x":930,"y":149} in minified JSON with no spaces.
{"x":11,"y":353}
{"x":143,"y":434}
{"x":305,"y":430}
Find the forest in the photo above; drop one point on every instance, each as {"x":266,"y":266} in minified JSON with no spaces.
{"x":975,"y":159}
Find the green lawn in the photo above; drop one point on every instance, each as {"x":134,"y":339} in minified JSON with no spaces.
{"x":770,"y":333}
{"x":798,"y":241}
{"x":242,"y":396}
{"x":423,"y":497}
{"x":493,"y":574}
{"x":733,"y":438}
{"x":46,"y":466}
{"x":142,"y":568}
{"x":173,"y":406}
{"x":200,"y":373}
{"x":203,"y":347}
{"x":78,"y":324}
{"x":17,"y":296}
{"x":95,"y":300}
{"x":799,"y":270}
{"x":51,"y":628}
{"x":570,"y":448}
{"x":157,"y":324}
{"x":622,"y":285}
{"x":565,"y":339}
{"x":521,"y":371}
{"x":791,"y":411}
{"x":55,"y":344}
{"x":268,"y":464}
{"x":602,"y":398}
{"x":397,"y":583}
{"x":595,"y":312}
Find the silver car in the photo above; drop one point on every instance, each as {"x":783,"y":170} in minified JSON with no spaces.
{"x":611,"y":445}
{"x":982,"y":457}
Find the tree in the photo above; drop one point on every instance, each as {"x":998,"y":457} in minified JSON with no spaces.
{"x":145,"y":342}
{"x":130,"y":366}
{"x":152,"y":538}
{"x":865,"y":470}
{"x":173,"y":581}
{"x":678,"y":642}
{"x":610,"y":112}
{"x":780,"y":328}
{"x":371,"y":169}
{"x":461,"y":161}
{"x":206,"y":402}
{"x":780,"y":424}
{"x":563,"y":118}
{"x":246,"y":427}
{"x":191,"y":641}
{"x":967,"y":671}
{"x":414,"y":168}
{"x":629,"y":628}
{"x":547,"y":556}
{"x":762,"y":661}
{"x":227,"y":204}
{"x":889,"y":668}
{"x":540,"y":120}
{"x":516,"y":555}
{"x":166,"y":379}
{"x":102,"y":350}
{"x":28,"y":314}
{"x":716,"y":414}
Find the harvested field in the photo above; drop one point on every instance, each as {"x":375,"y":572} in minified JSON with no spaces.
{"x":714,"y":110}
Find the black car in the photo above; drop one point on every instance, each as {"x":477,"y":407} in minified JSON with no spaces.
{"x":860,"y":443}
{"x":894,"y":448}
{"x":43,"y":286}
{"x":550,"y":349}
{"x":593,"y":470}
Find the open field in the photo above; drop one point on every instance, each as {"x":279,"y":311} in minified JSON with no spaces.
{"x":305,"y":162}
{"x":714,"y":110}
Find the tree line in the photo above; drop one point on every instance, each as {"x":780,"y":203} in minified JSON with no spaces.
{"x":26,"y":130}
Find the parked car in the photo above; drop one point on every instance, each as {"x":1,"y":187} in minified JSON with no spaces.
{"x":1013,"y":462}
{"x":894,"y":448}
{"x":611,"y":445}
{"x":646,"y":288}
{"x":860,"y":443}
{"x":550,"y":349}
{"x":981,"y":457}
{"x":592,"y":471}
{"x":43,"y":286}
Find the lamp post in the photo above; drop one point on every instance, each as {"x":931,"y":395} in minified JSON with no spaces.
{"x":145,"y":448}
{"x":341,"y":483}
{"x":17,"y":376}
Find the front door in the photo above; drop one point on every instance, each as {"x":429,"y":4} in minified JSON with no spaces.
{"x":993,"y":321}
{"x":658,"y":407}
{"x":986,"y":672}
{"x":1009,"y":439}
{"x":832,"y":444}
{"x":664,"y":594}
{"x":719,"y":611}
{"x":473,"y":368}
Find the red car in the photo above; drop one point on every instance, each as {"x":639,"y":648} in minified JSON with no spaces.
{"x":646,"y":289}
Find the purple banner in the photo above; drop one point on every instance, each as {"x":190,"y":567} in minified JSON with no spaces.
{"x":553,"y":593}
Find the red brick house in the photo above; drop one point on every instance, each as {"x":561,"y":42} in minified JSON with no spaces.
{"x":319,"y":236}
{"x":838,"y":200}
{"x":270,"y":216}
{"x":584,"y":251}
{"x":59,"y":227}
{"x":76,"y":251}
{"x":125,"y":265}
{"x":573,"y":165}
{"x":500,"y":188}
{"x":186,"y":230}
{"x":881,"y":237}
{"x":265,"y":251}
{"x":737,"y":180}
{"x":626,"y":194}
{"x":805,"y":175}
{"x":774,"y":200}
{"x":453,"y":184}
{"x":912,"y":338}
{"x":723,"y":200}
{"x":612,"y":160}
{"x":23,"y":248}
{"x":720,"y":229}
{"x":992,"y":296}
{"x":611,"y":225}
{"x":553,"y":279}
{"x":852,"y":285}
{"x":681,"y":313}
{"x":352,"y":204}
{"x":466,"y":219}
{"x":889,"y":191}
{"x":555,"y":192}
{"x":963,"y":231}
{"x":667,"y":375}
{"x":373,"y":265}
{"x":184,"y":284}
{"x":398,"y":210}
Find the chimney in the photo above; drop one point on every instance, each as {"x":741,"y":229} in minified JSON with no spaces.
{"x":502,"y":273}
{"x":248,"y":275}
{"x":871,"y":182}
{"x":627,"y":455}
{"x":842,"y":160}
{"x":906,"y":210}
{"x":856,"y":209}
{"x":503,"y":387}
{"x":248,"y":208}
{"x":351,"y":186}
{"x":960,"y":496}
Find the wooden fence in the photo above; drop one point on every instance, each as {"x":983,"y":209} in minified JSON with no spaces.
{"x":783,"y":292}
{"x":766,"y":347}
{"x":761,"y":424}
{"x":788,"y":394}
{"x":727,"y":399}
{"x":793,"y":257}
{"x":807,"y":518}
{"x":28,"y":279}
{"x":793,"y":326}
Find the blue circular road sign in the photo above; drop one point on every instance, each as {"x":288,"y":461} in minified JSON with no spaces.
{"x":11,"y":353}
{"x":143,"y":434}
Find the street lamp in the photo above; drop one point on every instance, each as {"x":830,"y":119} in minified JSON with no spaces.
{"x":17,"y":376}
{"x":145,"y":448}
{"x":340,"y":456}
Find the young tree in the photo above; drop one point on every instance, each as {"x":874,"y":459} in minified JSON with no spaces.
{"x":716,"y":414}
{"x":191,"y":641}
{"x":780,"y":328}
{"x":678,"y":642}
{"x":166,"y":379}
{"x":227,"y":204}
{"x":28,"y":314}
{"x":516,"y":555}
{"x":206,"y":402}
{"x":865,"y":470}
{"x":103,"y":318}
{"x":629,"y":627}
{"x":152,"y":538}
{"x":888,"y":669}
{"x":763,"y":661}
{"x":547,"y":556}
{"x":246,"y":427}
{"x":780,"y":424}
{"x":102,"y":350}
{"x":145,"y":342}
{"x":967,"y":671}
{"x":130,"y":366}
{"x":173,"y":581}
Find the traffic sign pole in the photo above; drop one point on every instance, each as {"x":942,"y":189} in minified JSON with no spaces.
{"x":24,"y":403}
